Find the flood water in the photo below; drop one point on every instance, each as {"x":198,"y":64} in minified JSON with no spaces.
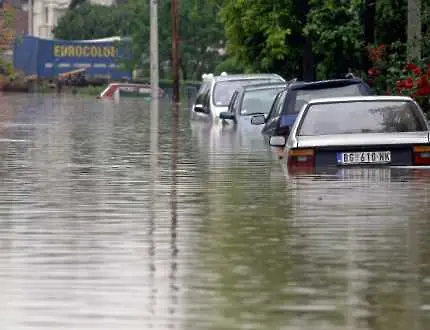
{"x":100,"y":228}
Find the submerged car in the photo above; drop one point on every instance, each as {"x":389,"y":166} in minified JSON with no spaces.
{"x":216,"y":91}
{"x":290,"y":101}
{"x":366,"y":130}
{"x":251,"y":100}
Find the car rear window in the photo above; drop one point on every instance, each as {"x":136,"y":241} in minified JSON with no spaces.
{"x":258,"y":101}
{"x":301,"y":97}
{"x":223,"y":90}
{"x":361,"y":117}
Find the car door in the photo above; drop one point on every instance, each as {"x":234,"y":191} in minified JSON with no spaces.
{"x":274,"y":115}
{"x":203,"y":97}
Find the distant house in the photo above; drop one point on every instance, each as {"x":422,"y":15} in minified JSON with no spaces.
{"x":46,"y":14}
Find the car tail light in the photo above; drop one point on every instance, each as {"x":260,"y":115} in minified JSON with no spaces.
{"x":421,"y":155}
{"x":301,"y":158}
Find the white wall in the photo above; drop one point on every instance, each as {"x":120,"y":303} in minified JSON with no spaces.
{"x":46,"y":14}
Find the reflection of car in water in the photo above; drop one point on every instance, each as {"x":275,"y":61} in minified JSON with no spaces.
{"x":220,"y":144}
{"x":289,"y":102}
{"x":215,"y":92}
{"x":362,"y":130}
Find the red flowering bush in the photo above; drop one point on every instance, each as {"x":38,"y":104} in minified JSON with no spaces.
{"x":389,"y":75}
{"x":415,"y":81}
{"x":377,"y":74}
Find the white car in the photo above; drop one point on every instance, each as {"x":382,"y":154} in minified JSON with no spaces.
{"x":361,"y":130}
{"x":215,"y":92}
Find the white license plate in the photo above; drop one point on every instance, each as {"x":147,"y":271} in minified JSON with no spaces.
{"x":365,"y":157}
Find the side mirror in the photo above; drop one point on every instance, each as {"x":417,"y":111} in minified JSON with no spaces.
{"x":258,"y":119}
{"x":277,"y":141}
{"x":199,"y":108}
{"x":227,"y":115}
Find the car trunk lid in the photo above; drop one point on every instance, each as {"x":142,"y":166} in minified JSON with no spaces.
{"x":371,"y":149}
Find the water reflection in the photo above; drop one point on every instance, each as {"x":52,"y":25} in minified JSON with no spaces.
{"x":152,"y":218}
{"x":174,"y":215}
{"x":113,"y":221}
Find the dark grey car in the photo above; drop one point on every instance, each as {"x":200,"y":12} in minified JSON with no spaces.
{"x":251,"y":100}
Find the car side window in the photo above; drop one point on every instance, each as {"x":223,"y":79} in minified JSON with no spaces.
{"x":206,"y":98}
{"x":231,"y":107}
{"x":280,"y":104}
{"x":200,"y":94}
{"x":236,"y":103}
{"x":274,"y":103}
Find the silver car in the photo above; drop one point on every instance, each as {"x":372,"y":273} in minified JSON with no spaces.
{"x":361,"y":130}
{"x":216,"y":91}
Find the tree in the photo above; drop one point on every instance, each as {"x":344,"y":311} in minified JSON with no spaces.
{"x":76,"y":3}
{"x":336,"y":29}
{"x":7,"y":36}
{"x":92,"y":21}
{"x":6,"y":32}
{"x":263,"y":35}
{"x":369,"y":16}
{"x":201,"y":35}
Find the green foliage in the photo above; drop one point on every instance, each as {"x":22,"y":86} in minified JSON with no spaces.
{"x":92,"y":21}
{"x":262,"y":34}
{"x":230,"y":65}
{"x":391,"y":21}
{"x":200,"y":36}
{"x":7,"y":16}
{"x":336,"y":32}
{"x":76,"y":3}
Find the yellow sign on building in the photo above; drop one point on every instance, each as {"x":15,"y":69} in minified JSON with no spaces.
{"x":84,"y":51}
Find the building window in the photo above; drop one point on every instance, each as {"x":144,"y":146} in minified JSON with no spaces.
{"x":46,"y":12}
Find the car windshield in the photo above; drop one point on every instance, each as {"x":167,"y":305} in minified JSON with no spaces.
{"x":303,"y":96}
{"x":361,"y":117}
{"x":258,"y":101}
{"x":223,"y":90}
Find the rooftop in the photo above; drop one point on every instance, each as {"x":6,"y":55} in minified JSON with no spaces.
{"x":248,"y":76}
{"x":374,"y":98}
{"x":266,"y":85}
{"x":326,"y":83}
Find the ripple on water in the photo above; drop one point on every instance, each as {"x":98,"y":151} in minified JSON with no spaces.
{"x":215,"y":236}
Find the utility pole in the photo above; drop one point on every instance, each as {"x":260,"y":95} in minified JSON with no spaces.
{"x":154,"y":76}
{"x":154,"y":48}
{"x":30,"y":17}
{"x":414,"y":30}
{"x":175,"y":50}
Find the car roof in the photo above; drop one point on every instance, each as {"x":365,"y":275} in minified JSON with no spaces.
{"x":248,"y":76}
{"x":267,"y":85}
{"x":360,"y":98}
{"x":332,"y":83}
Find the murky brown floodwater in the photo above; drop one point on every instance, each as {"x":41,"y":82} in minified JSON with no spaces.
{"x":97,"y":232}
